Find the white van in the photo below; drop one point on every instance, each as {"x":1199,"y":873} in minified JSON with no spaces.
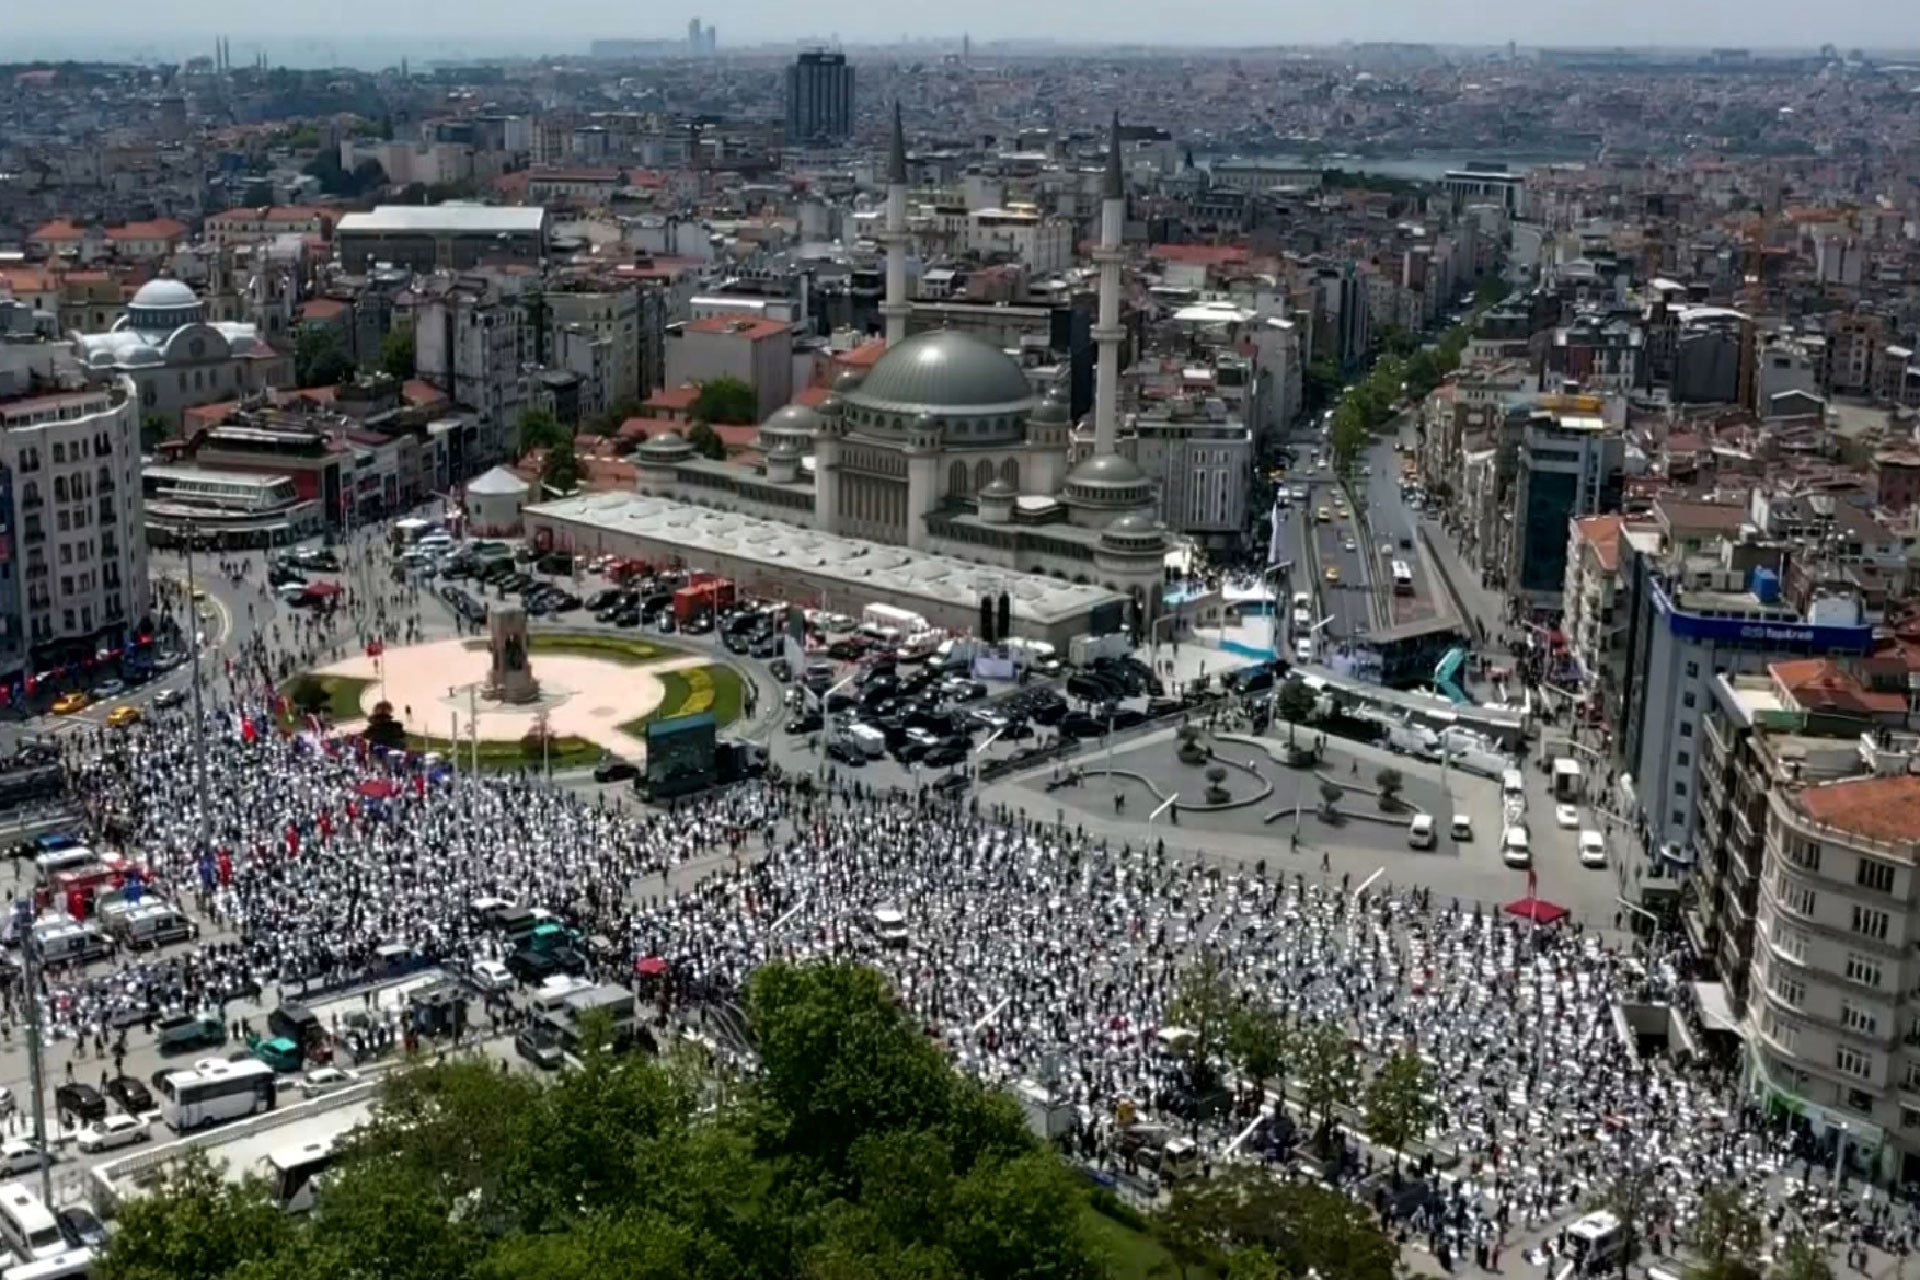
{"x":1596,"y":1241}
{"x":1461,"y":828}
{"x":867,"y":738}
{"x":1513,"y":785}
{"x":1420,"y":831}
{"x":1516,"y":850}
{"x":74,"y":855}
{"x":551,"y":997}
{"x":890,"y":926}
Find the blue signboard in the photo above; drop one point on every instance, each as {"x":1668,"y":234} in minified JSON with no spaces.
{"x":1752,"y":633}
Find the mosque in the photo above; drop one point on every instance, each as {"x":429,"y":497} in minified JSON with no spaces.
{"x":176,"y":357}
{"x":944,"y":446}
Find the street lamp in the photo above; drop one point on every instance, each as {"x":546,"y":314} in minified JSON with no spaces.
{"x":1165,"y":805}
{"x":981,"y":750}
{"x":826,"y":725}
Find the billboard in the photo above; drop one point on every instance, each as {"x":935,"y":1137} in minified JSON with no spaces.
{"x":680,"y":753}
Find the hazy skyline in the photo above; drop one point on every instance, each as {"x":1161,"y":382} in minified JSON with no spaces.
{"x":176,"y":28}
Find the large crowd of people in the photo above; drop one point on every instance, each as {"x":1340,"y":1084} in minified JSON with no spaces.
{"x":1032,"y":952}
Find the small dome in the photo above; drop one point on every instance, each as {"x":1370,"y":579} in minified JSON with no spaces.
{"x":165,"y":295}
{"x":847,"y":381}
{"x":832,"y":407}
{"x":668,"y":446}
{"x":998,"y":490}
{"x":926,"y":422}
{"x":785,"y":447}
{"x":1105,"y":470}
{"x":793,"y":419}
{"x":1135,"y":534}
{"x":1051,"y":412}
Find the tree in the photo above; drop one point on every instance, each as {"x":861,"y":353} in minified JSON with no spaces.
{"x":154,"y":427}
{"x":1324,"y":1066}
{"x":196,"y":1225}
{"x":1390,"y":782}
{"x":1303,"y":1227}
{"x":1257,"y":1043}
{"x":318,"y":358}
{"x":539,"y":429}
{"x":1398,"y":1109}
{"x":560,"y":471}
{"x":1725,"y":1237}
{"x":1204,"y":1004}
{"x":707,"y":440}
{"x":308,"y":694}
{"x":728,"y":401}
{"x":382,"y":729}
{"x":1294,"y":703}
{"x":1319,"y":383}
{"x":1803,"y":1258}
{"x":1330,"y":794}
{"x":1629,"y":1197}
{"x":396,"y":354}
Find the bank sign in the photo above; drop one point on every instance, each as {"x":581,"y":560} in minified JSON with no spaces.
{"x":1790,"y":637}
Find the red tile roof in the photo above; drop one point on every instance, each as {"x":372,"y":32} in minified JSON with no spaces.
{"x":1199,"y":255}
{"x":811,"y":397}
{"x":1821,"y":684}
{"x":679,"y":399}
{"x":864,"y":356}
{"x":1884,"y":809}
{"x":748,"y":326}
{"x":1603,"y":534}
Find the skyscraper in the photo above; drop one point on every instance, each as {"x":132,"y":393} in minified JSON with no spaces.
{"x":819,"y":98}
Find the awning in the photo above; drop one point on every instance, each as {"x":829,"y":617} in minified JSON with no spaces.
{"x":1538,"y":910}
{"x":378,"y":789}
{"x":650,"y":966}
{"x":1714,"y":1010}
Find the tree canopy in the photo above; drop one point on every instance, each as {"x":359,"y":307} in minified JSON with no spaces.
{"x":706,"y":440}
{"x":560,"y":470}
{"x":396,"y":354}
{"x":539,"y":429}
{"x":856,"y":1154}
{"x":318,"y":358}
{"x":728,"y":401}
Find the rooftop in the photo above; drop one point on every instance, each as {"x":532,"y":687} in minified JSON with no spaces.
{"x":470,"y":219}
{"x":1886,"y":810}
{"x":878,"y":566}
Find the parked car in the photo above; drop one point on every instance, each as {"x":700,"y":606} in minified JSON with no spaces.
{"x":112,"y":1132}
{"x":845,"y":752}
{"x":490,"y":975}
{"x":613,"y":769}
{"x":324,"y":1080}
{"x":169,"y":698}
{"x":17,"y":1155}
{"x":538,"y":1046}
{"x":133,"y":1097}
{"x":80,"y":1227}
{"x":79,"y":1103}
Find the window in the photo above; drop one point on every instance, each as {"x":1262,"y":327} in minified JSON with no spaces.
{"x":1854,"y":1018}
{"x":1686,"y":728}
{"x":1693,"y":671}
{"x":1683,"y":759}
{"x":1680,"y":788}
{"x":1862,"y":970}
{"x":1800,"y":900}
{"x":1909,"y":1117}
{"x":1786,"y":988}
{"x":1853,"y":1062}
{"x":1913,"y":1076}
{"x":1688,"y":699}
{"x":1871,"y":923}
{"x":1860,"y":1100}
{"x":1781,"y":1032}
{"x":1875,"y":875}
{"x":1804,"y":854}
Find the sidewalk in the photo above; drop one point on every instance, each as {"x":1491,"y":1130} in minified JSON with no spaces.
{"x":1484,"y":605}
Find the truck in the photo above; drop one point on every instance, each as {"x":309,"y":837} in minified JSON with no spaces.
{"x":708,"y":597}
{"x":904,"y":622}
{"x":1083,"y":650}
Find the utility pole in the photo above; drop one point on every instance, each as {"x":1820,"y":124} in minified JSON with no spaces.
{"x":36,"y":1069}
{"x":199,"y":712}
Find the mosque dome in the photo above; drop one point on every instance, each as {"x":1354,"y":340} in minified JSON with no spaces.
{"x":161,"y":306}
{"x":847,"y":381}
{"x":667,"y":447}
{"x":1133,"y":534}
{"x":998,"y":489}
{"x":944,"y":369}
{"x":794,"y":424}
{"x":1108,"y":481}
{"x":1051,"y":411}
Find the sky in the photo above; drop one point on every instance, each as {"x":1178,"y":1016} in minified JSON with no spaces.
{"x":364,"y":30}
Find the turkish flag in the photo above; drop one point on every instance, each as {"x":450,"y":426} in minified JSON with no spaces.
{"x":326,"y":826}
{"x":293,"y":841}
{"x":375,"y":648}
{"x":226,"y":868}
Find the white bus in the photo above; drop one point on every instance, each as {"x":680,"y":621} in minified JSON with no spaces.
{"x":28,"y":1224}
{"x":1402,"y":578}
{"x":214,"y":1092}
{"x":293,"y":1174}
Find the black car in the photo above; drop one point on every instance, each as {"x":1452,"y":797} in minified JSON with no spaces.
{"x":531,"y":966}
{"x":613,"y":769}
{"x":846,"y":753}
{"x":944,"y":755}
{"x":780,"y":670}
{"x":81,"y":1229}
{"x":539,"y":1046}
{"x":81,"y":1103}
{"x":806,"y":722}
{"x":602,"y":598}
{"x":134,"y":1098}
{"x":627,"y":617}
{"x":1081,"y":725}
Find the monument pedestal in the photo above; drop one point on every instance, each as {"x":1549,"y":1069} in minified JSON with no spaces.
{"x":511,"y":677}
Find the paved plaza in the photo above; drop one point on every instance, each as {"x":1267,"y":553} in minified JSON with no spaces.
{"x":432,"y":684}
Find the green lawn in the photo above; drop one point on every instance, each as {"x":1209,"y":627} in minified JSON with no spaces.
{"x":714,"y":689}
{"x":620,"y":649}
{"x":504,"y":755}
{"x":1134,"y":1254}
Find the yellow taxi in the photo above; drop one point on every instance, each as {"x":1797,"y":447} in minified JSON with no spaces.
{"x":1322,"y":515}
{"x":70,"y":704}
{"x":121,"y":717}
{"x":1333,"y":573}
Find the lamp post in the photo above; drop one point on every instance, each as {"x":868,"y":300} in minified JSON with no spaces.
{"x":981,"y":750}
{"x":199,"y":712}
{"x":826,"y":725}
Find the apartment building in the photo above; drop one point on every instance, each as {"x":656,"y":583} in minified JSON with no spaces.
{"x":757,"y":352}
{"x":1833,"y":1023}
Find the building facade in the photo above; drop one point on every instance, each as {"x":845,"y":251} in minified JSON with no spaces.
{"x":819,"y":98}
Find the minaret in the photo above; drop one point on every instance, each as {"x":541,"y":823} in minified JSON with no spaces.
{"x":1107,"y":332}
{"x":896,"y":307}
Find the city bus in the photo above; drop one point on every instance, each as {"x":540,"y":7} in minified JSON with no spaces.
{"x":293,"y":1174}
{"x":28,"y":1225}
{"x":213,"y":1092}
{"x":1402,"y":578}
